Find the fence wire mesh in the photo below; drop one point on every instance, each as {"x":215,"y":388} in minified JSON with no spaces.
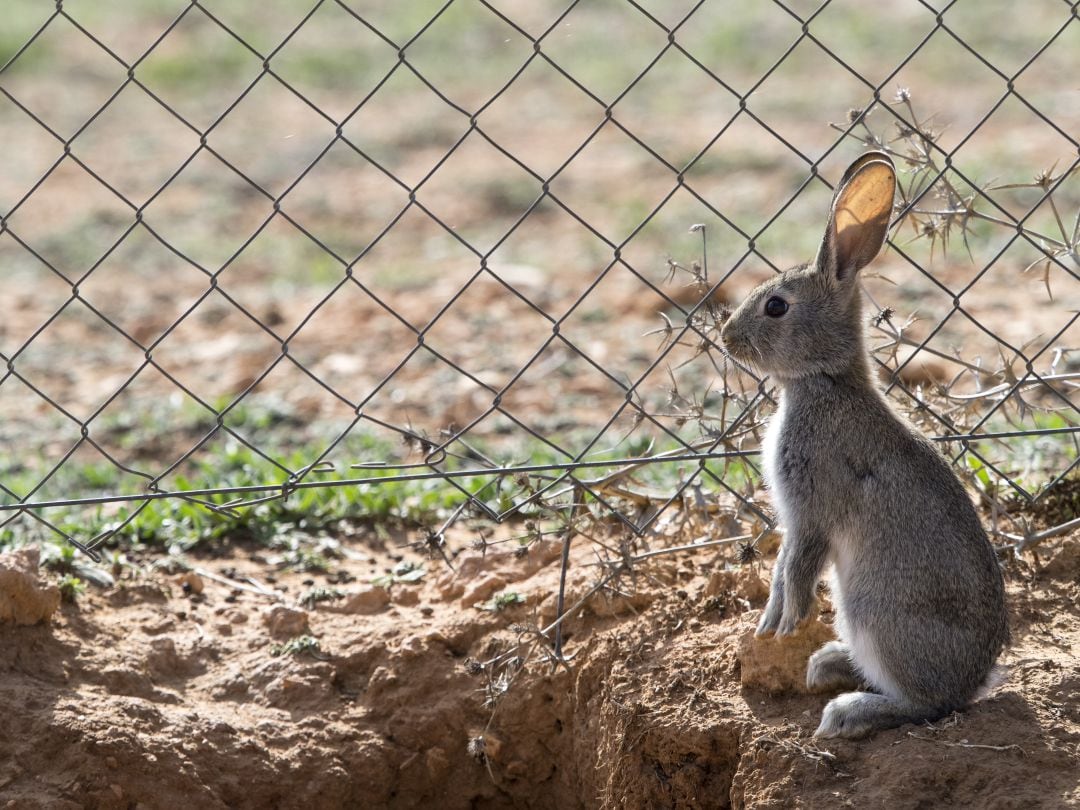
{"x":250,"y":253}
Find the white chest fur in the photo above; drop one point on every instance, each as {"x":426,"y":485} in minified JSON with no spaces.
{"x":770,"y":459}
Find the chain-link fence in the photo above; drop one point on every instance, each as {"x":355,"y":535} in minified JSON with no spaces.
{"x":479,"y":248}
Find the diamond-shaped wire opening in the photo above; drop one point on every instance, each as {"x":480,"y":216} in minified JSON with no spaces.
{"x":90,"y":472}
{"x":993,"y":299}
{"x":429,"y":398}
{"x":361,"y":441}
{"x":223,"y":457}
{"x":668,"y":235}
{"x":604,"y":45}
{"x":71,"y":219}
{"x":685,"y":389}
{"x":1005,"y":463}
{"x":955,"y":344}
{"x":30,"y":151}
{"x":351,"y":343}
{"x":135,"y":145}
{"x":271,"y":136}
{"x":744,"y":174}
{"x":562,"y":398}
{"x":934,"y":73}
{"x":783,"y":105}
{"x":198,"y":69}
{"x":405,"y":127}
{"x":948,"y":260}
{"x":740,"y":42}
{"x":285,"y":412}
{"x":520,"y":120}
{"x":1047,"y":225}
{"x":334,"y":60}
{"x":417,"y":254}
{"x":796,"y":223}
{"x":479,"y":193}
{"x":344,"y":201}
{"x":1040,"y":83}
{"x":29,"y":293}
{"x":91,"y":76}
{"x":145,"y":310}
{"x":525,"y":258}
{"x":216,"y":351}
{"x":149,"y":422}
{"x":489,"y":314}
{"x":1006,"y":47}
{"x":912,"y":296}
{"x":280,"y":275}
{"x":596,"y":175}
{"x":31,"y":453}
{"x":676,"y":108}
{"x":207,"y":212}
{"x":998,"y":154}
{"x":444,"y":54}
{"x":78,"y":379}
{"x":610,"y":323}
{"x":872,"y":45}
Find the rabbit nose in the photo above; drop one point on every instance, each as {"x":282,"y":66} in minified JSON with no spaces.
{"x":726,"y":333}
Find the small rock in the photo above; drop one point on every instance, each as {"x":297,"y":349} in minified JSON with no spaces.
{"x":117,"y":790}
{"x":744,"y":582}
{"x":449,"y":586}
{"x":22,"y":600}
{"x":1065,"y":564}
{"x":437,"y":763}
{"x":420,"y":643}
{"x":406,"y":596}
{"x":285,"y":622}
{"x":164,"y":660}
{"x":190,"y":582}
{"x":779,"y":664}
{"x":369,"y":599}
{"x":481,"y":589}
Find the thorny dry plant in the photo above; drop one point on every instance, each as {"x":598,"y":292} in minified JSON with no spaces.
{"x":984,"y":405}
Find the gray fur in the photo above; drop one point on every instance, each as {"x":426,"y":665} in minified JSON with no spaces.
{"x":918,"y":592}
{"x":832,"y":669}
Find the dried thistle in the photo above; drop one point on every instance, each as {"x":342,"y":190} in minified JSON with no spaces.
{"x":747,"y":552}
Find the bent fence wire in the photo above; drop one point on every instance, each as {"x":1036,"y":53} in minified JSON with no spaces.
{"x":504,"y":233}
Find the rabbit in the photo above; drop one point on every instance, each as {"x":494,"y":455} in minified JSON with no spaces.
{"x":919,"y":595}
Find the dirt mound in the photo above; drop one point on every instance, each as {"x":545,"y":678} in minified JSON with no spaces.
{"x":437,"y":692}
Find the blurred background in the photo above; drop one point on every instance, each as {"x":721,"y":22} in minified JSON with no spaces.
{"x":241,"y":238}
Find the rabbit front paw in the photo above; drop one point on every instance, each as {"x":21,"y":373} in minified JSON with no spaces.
{"x":770,"y":619}
{"x":790,"y":621}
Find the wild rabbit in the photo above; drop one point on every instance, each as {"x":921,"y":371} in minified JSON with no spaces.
{"x":920,"y":606}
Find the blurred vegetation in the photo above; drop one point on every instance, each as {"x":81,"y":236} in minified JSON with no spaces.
{"x":316,"y":78}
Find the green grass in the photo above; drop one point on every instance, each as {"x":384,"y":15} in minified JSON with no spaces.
{"x":1029,"y":461}
{"x":301,"y":527}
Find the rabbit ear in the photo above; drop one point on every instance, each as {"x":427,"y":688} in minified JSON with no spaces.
{"x":860,"y":216}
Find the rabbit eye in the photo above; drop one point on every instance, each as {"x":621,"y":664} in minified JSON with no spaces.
{"x":775,"y":307}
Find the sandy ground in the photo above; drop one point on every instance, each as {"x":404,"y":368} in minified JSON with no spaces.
{"x":152,"y":694}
